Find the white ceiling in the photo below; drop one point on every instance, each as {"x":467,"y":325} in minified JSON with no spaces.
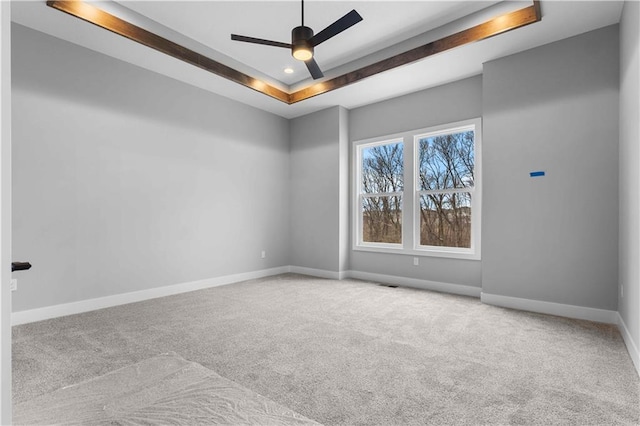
{"x":384,"y":24}
{"x":388,"y":28}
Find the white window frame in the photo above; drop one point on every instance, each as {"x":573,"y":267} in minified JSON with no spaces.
{"x":473,"y":252}
{"x":358,"y":147}
{"x":410,"y":196}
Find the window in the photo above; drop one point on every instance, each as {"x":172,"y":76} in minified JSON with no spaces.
{"x":427,"y":180}
{"x":381,"y":189}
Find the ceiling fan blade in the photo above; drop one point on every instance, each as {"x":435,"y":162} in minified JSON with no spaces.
{"x":314,"y":69}
{"x":348,"y":20}
{"x":237,"y":37}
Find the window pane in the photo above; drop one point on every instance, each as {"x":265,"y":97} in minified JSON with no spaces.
{"x":382,"y":220}
{"x":382,"y":168}
{"x":445,"y":219}
{"x":446,"y":161}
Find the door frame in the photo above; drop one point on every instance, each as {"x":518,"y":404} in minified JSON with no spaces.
{"x":5,"y":212}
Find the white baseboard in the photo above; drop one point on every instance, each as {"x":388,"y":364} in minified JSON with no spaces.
{"x":39,"y":314}
{"x":632,"y":347}
{"x":464,"y":290}
{"x":320,"y":273}
{"x":551,"y":308}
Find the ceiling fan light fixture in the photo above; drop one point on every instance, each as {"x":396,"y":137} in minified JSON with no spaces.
{"x":301,"y":49}
{"x":302,"y":53}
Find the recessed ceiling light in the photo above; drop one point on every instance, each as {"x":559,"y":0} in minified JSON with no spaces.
{"x":288,"y":70}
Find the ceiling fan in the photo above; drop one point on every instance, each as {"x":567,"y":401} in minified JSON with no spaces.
{"x":303,"y":40}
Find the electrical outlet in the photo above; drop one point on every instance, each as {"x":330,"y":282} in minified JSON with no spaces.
{"x":264,"y":254}
{"x":14,"y":284}
{"x":416,"y":261}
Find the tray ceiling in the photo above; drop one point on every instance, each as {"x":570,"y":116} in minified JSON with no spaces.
{"x":388,"y":28}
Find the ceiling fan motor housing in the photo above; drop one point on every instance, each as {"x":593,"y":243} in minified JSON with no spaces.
{"x":301,"y":48}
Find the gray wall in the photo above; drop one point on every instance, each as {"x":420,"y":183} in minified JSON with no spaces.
{"x":317,"y":190}
{"x":126,"y":180}
{"x":344,"y":195}
{"x":444,"y":104}
{"x":553,"y":108}
{"x":629,"y":304}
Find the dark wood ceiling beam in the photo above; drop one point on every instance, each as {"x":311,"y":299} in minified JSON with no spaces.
{"x":490,"y":28}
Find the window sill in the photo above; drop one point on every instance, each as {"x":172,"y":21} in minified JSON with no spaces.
{"x":450,"y":254}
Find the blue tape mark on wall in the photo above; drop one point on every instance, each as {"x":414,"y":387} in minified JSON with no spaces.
{"x":536,"y":174}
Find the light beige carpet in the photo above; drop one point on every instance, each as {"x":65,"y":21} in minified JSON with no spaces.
{"x":351,"y":352}
{"x":162,"y":390}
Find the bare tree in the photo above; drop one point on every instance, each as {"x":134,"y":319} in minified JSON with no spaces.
{"x":446,"y":175}
{"x":446,"y":165}
{"x":382,"y":173}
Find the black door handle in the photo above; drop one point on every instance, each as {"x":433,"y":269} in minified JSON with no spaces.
{"x":20,"y":266}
